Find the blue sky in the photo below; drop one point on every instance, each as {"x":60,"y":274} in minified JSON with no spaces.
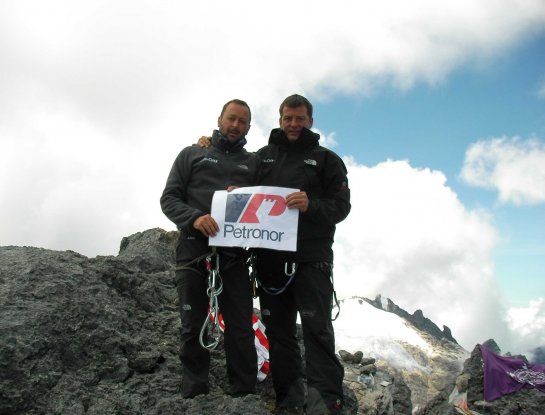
{"x":437,"y":108}
{"x":432,"y":125}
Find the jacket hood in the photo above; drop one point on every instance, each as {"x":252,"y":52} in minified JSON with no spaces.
{"x":306,"y":138}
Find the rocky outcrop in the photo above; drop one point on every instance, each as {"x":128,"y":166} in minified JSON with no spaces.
{"x":425,"y":369}
{"x":378,"y":391}
{"x":441,"y":367}
{"x":98,"y":336}
{"x":469,"y":386}
{"x":101,"y":336}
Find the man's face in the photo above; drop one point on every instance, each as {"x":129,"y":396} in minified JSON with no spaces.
{"x":293,"y":120}
{"x":235,"y":122}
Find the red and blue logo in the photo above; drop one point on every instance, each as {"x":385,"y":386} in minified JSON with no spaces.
{"x":244,"y":207}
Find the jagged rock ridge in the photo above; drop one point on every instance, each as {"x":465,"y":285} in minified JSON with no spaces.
{"x":101,"y":336}
{"x":426,"y":366}
{"x":417,"y":319}
{"x":97,"y":336}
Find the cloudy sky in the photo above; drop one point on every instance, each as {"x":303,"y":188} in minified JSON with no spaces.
{"x":437,"y":107}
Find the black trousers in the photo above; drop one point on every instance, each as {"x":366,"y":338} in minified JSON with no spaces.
{"x":310,"y":294}
{"x":236,"y":306}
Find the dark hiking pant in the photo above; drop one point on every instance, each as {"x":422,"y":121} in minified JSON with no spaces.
{"x":310,"y":293}
{"x":236,"y":307}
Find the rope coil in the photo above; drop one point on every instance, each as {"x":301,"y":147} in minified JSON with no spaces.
{"x":215,"y":287}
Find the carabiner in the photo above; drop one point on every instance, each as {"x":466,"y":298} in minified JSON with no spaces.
{"x":293,"y":269}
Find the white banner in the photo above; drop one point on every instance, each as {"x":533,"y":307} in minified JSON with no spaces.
{"x":255,"y":217}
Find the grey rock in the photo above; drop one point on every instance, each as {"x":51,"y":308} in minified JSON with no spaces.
{"x":462,"y":382}
{"x":356,"y":358}
{"x":368,"y":369}
{"x":527,"y":401}
{"x":346,"y":356}
{"x":101,"y":336}
{"x":367,"y":361}
{"x":380,"y":394}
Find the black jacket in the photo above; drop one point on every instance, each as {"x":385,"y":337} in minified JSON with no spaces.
{"x":309,"y":167}
{"x":198,"y":172}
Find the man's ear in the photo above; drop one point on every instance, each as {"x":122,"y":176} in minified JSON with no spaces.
{"x":311,"y":122}
{"x":219,"y":118}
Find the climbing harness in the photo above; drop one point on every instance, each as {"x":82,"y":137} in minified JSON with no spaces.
{"x":180,"y":267}
{"x":335,"y":305}
{"x":215,"y":287}
{"x":287,"y":273}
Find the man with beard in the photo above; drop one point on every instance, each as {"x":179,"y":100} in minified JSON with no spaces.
{"x":186,"y":200}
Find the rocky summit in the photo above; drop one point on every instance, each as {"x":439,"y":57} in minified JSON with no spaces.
{"x":468,"y":387}
{"x":101,"y":336}
{"x":96,"y":336}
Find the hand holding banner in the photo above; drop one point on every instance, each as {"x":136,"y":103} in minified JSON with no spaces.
{"x":255,"y":217}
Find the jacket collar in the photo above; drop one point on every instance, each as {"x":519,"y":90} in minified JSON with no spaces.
{"x":222,"y":142}
{"x":307,"y":138}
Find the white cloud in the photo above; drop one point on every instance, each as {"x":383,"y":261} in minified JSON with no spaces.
{"x":124,"y":63}
{"x":528,"y":325}
{"x":409,"y":238}
{"x":515,"y":167}
{"x":327,"y":139}
{"x":98,"y":97}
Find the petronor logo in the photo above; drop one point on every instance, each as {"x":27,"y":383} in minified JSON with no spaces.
{"x":247,"y":207}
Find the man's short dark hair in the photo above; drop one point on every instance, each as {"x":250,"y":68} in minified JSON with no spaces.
{"x":238,"y":102}
{"x":294,"y":101}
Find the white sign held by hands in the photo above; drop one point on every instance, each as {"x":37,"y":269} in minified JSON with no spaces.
{"x":255,"y":217}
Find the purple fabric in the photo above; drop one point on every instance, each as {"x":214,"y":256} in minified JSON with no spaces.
{"x":503,"y":375}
